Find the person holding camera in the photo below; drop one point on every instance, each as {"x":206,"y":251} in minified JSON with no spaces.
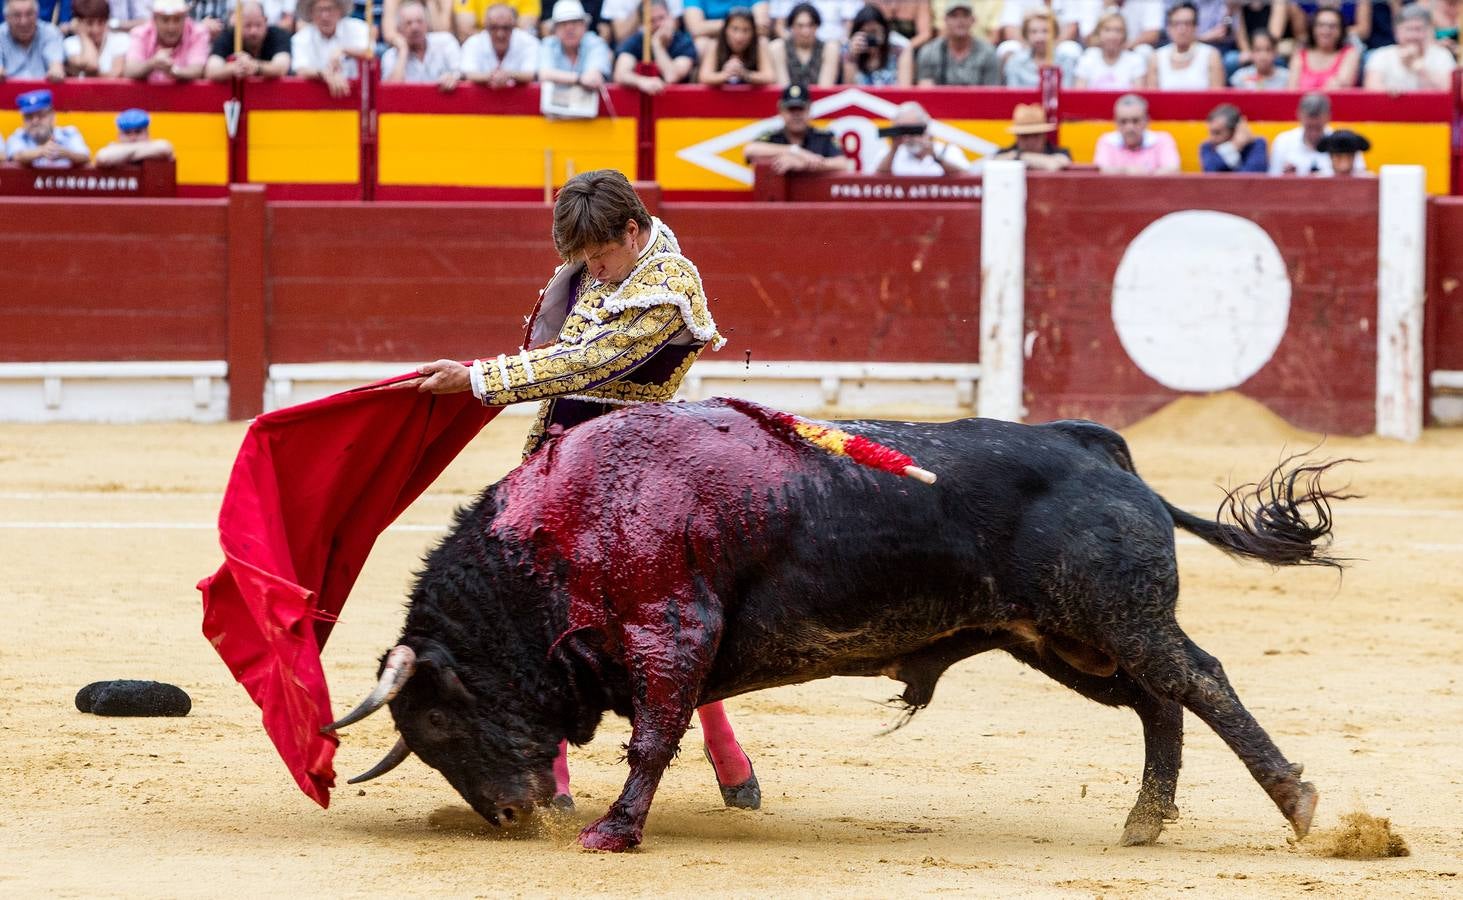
{"x":913,"y":152}
{"x":871,"y":58}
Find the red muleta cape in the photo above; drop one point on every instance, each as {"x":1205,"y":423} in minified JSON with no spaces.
{"x":312,"y":488}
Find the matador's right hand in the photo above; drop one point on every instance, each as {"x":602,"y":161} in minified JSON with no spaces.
{"x":445,"y":376}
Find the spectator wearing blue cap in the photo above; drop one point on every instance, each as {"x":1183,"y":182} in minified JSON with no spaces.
{"x":41,"y":142}
{"x":29,"y":48}
{"x":133,"y":143}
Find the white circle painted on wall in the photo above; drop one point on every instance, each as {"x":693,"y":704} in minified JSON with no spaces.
{"x":1201,"y":300}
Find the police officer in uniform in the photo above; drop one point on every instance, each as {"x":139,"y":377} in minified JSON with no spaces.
{"x":41,"y":142}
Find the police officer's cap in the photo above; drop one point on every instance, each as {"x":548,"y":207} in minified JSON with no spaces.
{"x":33,"y":102}
{"x":794,"y":96}
{"x":132,"y":120}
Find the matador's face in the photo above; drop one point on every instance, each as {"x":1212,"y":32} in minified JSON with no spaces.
{"x":613,"y":262}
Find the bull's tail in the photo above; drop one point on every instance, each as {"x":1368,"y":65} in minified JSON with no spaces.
{"x":1284,"y":519}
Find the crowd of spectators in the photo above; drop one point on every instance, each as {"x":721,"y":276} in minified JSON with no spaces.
{"x":1324,"y":45}
{"x":1316,"y":46}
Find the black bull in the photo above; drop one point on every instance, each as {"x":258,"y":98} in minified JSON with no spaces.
{"x":671,"y":555}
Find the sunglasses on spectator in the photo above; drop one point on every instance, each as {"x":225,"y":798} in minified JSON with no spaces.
{"x":1131,"y":120}
{"x":500,"y":27}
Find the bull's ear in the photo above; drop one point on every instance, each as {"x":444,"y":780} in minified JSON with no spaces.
{"x":447,"y":679}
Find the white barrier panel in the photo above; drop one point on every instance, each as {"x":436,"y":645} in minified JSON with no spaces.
{"x":189,"y":391}
{"x":1002,"y":290}
{"x":936,"y":390}
{"x":1401,"y":264}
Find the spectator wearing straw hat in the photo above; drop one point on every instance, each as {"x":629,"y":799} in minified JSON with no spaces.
{"x":42,"y":143}
{"x":94,"y":50}
{"x":502,"y":54}
{"x":573,"y":54}
{"x":913,"y":152}
{"x":134,"y":142}
{"x":264,"y":51}
{"x":171,"y":47}
{"x":29,"y":48}
{"x":419,"y":55}
{"x":1345,"y":148}
{"x":1033,"y":144}
{"x":1232,"y":147}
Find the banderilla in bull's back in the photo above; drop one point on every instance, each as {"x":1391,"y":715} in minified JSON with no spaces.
{"x":673,"y":555}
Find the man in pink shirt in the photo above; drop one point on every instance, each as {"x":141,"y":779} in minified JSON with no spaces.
{"x":1133,"y":149}
{"x":172,"y":47}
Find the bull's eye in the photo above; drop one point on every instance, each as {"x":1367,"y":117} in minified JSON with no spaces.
{"x":437,"y":719}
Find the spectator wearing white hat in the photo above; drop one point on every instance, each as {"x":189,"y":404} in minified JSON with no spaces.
{"x":327,"y":48}
{"x":172,"y":47}
{"x":573,"y":54}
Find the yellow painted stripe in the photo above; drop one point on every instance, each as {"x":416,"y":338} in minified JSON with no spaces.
{"x":499,"y":151}
{"x":1414,"y":143}
{"x":199,"y":139}
{"x":304,"y":146}
{"x":1411,"y":143}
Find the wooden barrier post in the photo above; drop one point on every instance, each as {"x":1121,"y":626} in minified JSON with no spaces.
{"x":245,"y":350}
{"x":1401,"y":263}
{"x":1002,"y":290}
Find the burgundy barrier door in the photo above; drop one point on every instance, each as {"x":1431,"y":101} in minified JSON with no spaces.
{"x":1141,"y":289}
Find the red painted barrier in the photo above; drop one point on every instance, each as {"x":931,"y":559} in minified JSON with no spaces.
{"x":1322,"y":374}
{"x":1445,"y":284}
{"x":112,"y":280}
{"x":299,"y":282}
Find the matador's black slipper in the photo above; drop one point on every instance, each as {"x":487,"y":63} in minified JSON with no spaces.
{"x":747,"y":795}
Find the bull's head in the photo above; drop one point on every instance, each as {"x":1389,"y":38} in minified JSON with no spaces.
{"x":491,"y":741}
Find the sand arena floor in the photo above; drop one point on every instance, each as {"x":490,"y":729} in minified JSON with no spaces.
{"x":1008,"y":785}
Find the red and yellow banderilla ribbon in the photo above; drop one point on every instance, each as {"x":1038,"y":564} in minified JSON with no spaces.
{"x":840,"y":443}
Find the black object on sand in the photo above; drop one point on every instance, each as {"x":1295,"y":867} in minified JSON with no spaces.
{"x":133,"y":698}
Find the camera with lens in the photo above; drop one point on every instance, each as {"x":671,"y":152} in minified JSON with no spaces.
{"x":893,"y":131}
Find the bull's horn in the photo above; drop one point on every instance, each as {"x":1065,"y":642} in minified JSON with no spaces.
{"x":400,"y":663}
{"x":388,"y":762}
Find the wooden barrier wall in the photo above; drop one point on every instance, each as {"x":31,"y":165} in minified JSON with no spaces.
{"x":1320,"y":376}
{"x":253,"y":283}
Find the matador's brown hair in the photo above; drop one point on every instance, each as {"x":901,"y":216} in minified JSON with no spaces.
{"x":593,"y":209}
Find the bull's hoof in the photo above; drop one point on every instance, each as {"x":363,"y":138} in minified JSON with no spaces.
{"x":1140,"y":831}
{"x":562,"y":803}
{"x":1170,"y":812}
{"x":1145,"y":822}
{"x":1303,"y":808}
{"x":602,"y":838}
